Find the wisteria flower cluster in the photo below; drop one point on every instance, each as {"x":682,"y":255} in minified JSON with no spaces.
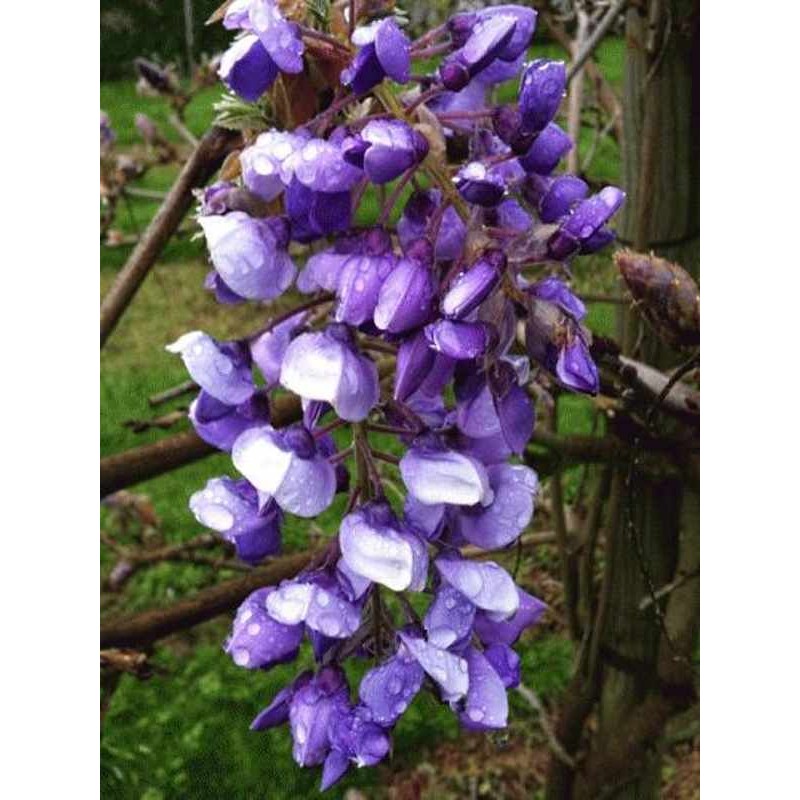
{"x":429,"y":331}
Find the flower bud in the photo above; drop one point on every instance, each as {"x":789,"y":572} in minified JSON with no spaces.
{"x":666,"y":294}
{"x":155,"y":76}
{"x":548,"y":148}
{"x":461,"y":340}
{"x":541,"y":89}
{"x":507,"y":124}
{"x":474,"y":285}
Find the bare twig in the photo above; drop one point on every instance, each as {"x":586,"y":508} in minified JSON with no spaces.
{"x":590,"y":44}
{"x":679,"y":581}
{"x":170,"y":394}
{"x":163,"y":422}
{"x":552,"y":741}
{"x":202,"y":164}
{"x":575,"y":102}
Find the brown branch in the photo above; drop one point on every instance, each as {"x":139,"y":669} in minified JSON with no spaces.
{"x":170,"y":394}
{"x":590,"y":45}
{"x":163,"y":422}
{"x":552,"y":740}
{"x":141,"y":463}
{"x":147,"y":627}
{"x":202,"y":164}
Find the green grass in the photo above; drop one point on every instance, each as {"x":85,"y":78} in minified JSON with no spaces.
{"x":185,"y":733}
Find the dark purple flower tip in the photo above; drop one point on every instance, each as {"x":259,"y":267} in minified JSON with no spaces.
{"x":277,"y":712}
{"x":548,"y":148}
{"x":415,"y":221}
{"x":486,"y":704}
{"x":507,"y":124}
{"x":363,"y":741}
{"x":480,"y":185}
{"x":541,"y":89}
{"x":385,"y":149}
{"x":461,"y":340}
{"x":222,"y":292}
{"x":454,"y":75}
{"x":575,"y":368}
{"x":299,"y":440}
{"x":491,"y":631}
{"x":384,"y":51}
{"x":586,"y":219}
{"x":555,"y":197}
{"x":473,"y":286}
{"x":221,"y":424}
{"x":505,"y":662}
{"x":598,"y":240}
{"x":488,"y":40}
{"x":247,"y":69}
{"x":414,"y":362}
{"x":315,"y":214}
{"x":461,"y":26}
{"x":556,"y":291}
{"x":312,"y":710}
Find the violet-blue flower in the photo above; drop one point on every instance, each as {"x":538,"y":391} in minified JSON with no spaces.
{"x":385,"y":149}
{"x":384,"y":51}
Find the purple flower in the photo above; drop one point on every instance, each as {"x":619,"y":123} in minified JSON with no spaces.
{"x":221,"y":424}
{"x":486,"y":584}
{"x":356,"y":739}
{"x":385,"y":149}
{"x":312,"y":709}
{"x":221,"y":368}
{"x":486,"y":42}
{"x":449,"y":619}
{"x":540,"y":92}
{"x":486,"y":703}
{"x":447,"y":669}
{"x":232,"y":509}
{"x":214,"y":198}
{"x":555,"y":338}
{"x":417,"y":215}
{"x":462,"y":25}
{"x":323,"y":608}
{"x":548,"y":148}
{"x":415,"y":359}
{"x":107,"y":135}
{"x":319,"y":165}
{"x":257,"y":641}
{"x":286,"y":466}
{"x":280,"y":38}
{"x":326,"y":366}
{"x":507,"y":124}
{"x":492,"y":631}
{"x":461,"y":340}
{"x":250,"y":254}
{"x":500,"y":523}
{"x":387,"y":690}
{"x":247,"y":69}
{"x":480,"y":184}
{"x":361,"y":276}
{"x":554,"y":197}
{"x":434,"y":474}
{"x":406,"y":297}
{"x":268,"y":349}
{"x":314,"y":214}
{"x":322,"y":270}
{"x":375,"y":545}
{"x":471,"y":287}
{"x":585,"y":222}
{"x":505,"y":662}
{"x":385,"y":51}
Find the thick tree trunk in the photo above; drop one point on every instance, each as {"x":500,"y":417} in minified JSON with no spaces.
{"x":638,"y":672}
{"x":660,"y":526}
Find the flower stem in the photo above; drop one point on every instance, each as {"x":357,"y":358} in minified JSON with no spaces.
{"x":325,"y":297}
{"x":391,"y":201}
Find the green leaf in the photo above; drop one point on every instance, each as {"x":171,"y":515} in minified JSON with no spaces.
{"x":237,"y":115}
{"x":320,"y":11}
